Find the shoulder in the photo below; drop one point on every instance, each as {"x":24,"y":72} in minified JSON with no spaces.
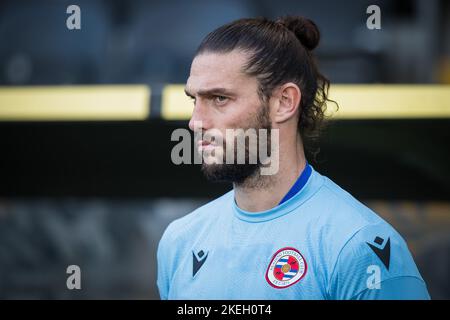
{"x":183,"y":232}
{"x":360,"y":244}
{"x":373,"y":257}
{"x":182,"y":229}
{"x":338,"y":217}
{"x":347,"y":223}
{"x":360,"y":223}
{"x":347,"y":206}
{"x":335,"y":205}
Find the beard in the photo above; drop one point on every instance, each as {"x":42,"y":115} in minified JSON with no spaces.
{"x":235,"y":172}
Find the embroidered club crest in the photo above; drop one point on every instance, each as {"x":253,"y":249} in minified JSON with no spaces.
{"x":286,"y":268}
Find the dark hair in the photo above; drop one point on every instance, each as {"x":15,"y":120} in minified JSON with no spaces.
{"x":279,"y":52}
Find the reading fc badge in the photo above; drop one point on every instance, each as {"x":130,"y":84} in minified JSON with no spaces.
{"x":286,"y":268}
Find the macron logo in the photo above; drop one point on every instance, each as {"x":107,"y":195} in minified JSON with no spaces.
{"x":384,"y":253}
{"x":197,"y":261}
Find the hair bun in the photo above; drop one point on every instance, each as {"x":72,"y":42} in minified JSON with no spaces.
{"x":304,"y":29}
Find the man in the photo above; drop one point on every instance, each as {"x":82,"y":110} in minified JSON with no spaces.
{"x":293,"y":234}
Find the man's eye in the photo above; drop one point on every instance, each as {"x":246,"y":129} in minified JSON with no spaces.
{"x":220,"y":99}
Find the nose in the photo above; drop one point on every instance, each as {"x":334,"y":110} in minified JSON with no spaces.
{"x":199,"y":119}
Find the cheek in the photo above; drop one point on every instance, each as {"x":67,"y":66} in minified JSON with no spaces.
{"x":241,"y":114}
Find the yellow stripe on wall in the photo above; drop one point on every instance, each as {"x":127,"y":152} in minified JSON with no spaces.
{"x":93,"y":102}
{"x":355,"y":102}
{"x":175,"y":105}
{"x":391,"y":101}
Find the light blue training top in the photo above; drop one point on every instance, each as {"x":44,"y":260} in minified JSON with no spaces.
{"x":319,"y":243}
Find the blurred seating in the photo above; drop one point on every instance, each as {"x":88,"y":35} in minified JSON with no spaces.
{"x":37,"y":47}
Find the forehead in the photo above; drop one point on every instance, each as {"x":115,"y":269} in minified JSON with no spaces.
{"x":210,"y":70}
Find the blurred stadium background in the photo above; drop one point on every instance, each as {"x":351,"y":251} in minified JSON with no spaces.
{"x":86,"y":118}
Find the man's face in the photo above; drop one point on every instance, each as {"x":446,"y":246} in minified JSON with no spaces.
{"x":225,"y":98}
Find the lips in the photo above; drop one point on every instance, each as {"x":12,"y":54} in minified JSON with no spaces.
{"x":205,"y":145}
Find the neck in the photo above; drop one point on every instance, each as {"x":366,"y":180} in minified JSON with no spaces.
{"x":260,"y":193}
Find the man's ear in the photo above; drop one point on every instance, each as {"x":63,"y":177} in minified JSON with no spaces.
{"x":288,"y":98}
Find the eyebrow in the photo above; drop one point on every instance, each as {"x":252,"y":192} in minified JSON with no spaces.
{"x":210,"y":92}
